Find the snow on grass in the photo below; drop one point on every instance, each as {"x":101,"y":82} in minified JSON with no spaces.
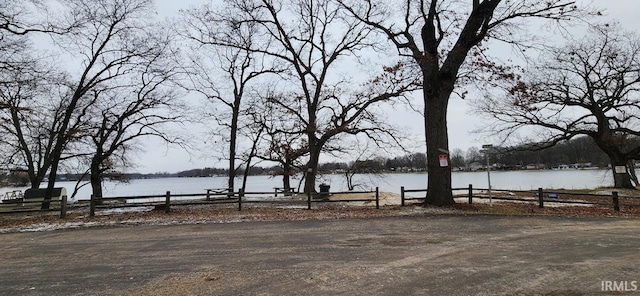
{"x":112,"y":211}
{"x":38,"y":227}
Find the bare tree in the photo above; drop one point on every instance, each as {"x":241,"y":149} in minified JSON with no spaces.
{"x":139,"y":105}
{"x":281,"y":141}
{"x":364,"y":162}
{"x":31,"y":103}
{"x":111,"y":41}
{"x":457,"y":159}
{"x":588,"y":87}
{"x":287,"y":151}
{"x":223,"y":67}
{"x":439,"y":36}
{"x":253,"y":130}
{"x":311,"y":38}
{"x":29,"y":113}
{"x":473,"y":155}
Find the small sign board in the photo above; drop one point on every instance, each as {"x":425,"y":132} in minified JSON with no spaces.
{"x":620,"y":169}
{"x":443,"y":160}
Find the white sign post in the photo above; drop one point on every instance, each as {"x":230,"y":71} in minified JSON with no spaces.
{"x":488,"y":149}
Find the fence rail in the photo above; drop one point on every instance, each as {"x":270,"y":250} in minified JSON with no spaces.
{"x":539,"y":196}
{"x":168,"y":200}
{"x":214,"y":196}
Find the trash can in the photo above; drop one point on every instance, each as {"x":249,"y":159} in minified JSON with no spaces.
{"x":324,"y":191}
{"x":324,"y":188}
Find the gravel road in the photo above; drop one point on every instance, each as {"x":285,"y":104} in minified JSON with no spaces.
{"x":426,"y":255}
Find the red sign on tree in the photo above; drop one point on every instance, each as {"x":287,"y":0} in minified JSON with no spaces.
{"x":443,"y":160}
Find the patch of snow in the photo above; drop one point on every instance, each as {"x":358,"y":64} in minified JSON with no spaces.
{"x":123,"y":210}
{"x":41,"y":227}
{"x":48,"y":227}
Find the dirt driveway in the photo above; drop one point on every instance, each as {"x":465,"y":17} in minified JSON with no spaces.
{"x":428,"y":255}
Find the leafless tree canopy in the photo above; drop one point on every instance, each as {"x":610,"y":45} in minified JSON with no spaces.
{"x":112,"y":91}
{"x":223,"y":68}
{"x":445,"y":39}
{"x":310,"y":42}
{"x":588,"y":87}
{"x":29,"y":113}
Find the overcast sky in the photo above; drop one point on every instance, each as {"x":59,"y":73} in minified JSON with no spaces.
{"x":462,"y":122}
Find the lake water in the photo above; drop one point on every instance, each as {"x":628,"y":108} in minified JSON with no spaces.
{"x":514,"y":180}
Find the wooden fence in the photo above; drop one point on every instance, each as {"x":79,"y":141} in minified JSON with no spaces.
{"x":222,"y":196}
{"x":168,"y":200}
{"x":540,"y":196}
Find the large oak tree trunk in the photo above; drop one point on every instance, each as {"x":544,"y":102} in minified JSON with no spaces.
{"x":617,"y":158}
{"x":620,"y":180}
{"x":35,"y":178}
{"x":631,"y":168}
{"x":286,"y":177}
{"x":96,"y":180}
{"x":439,"y":177}
{"x":312,"y":168}
{"x":53,"y":174}
{"x":61,"y":139}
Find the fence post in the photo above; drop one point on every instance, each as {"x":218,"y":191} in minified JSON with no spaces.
{"x":377,"y":198}
{"x":63,"y":207}
{"x":208,"y":194}
{"x":308,"y":200}
{"x":402,"y":196}
{"x":540,"y":198}
{"x":167,"y":202}
{"x":470,"y":193}
{"x":616,"y":201}
{"x":92,"y":207}
{"x":240,"y":194}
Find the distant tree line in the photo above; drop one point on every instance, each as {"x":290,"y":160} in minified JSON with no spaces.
{"x":580,"y":150}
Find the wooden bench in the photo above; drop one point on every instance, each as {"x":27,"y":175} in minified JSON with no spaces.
{"x":37,"y":194}
{"x":219,"y":191}
{"x":287,"y":192}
